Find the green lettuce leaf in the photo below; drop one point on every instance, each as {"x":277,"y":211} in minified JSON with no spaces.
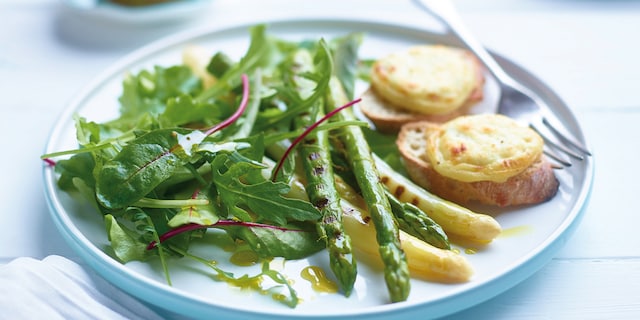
{"x":184,"y":109}
{"x":273,"y":242}
{"x":124,"y":242}
{"x":148,"y":91}
{"x":140,"y":167}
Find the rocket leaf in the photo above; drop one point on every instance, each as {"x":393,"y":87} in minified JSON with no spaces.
{"x":244,"y":191}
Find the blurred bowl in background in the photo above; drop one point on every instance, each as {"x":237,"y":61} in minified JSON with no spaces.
{"x":138,"y":11}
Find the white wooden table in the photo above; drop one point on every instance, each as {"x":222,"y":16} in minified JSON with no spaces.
{"x":588,"y":51}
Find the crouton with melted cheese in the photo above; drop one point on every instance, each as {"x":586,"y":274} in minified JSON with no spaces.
{"x":487,"y":158}
{"x":426,"y":82}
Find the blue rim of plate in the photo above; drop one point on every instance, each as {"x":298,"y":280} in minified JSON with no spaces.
{"x":162,"y":295}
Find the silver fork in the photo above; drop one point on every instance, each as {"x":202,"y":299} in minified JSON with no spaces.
{"x":516,"y":100}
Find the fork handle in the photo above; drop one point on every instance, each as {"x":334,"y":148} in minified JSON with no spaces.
{"x":446,"y":13}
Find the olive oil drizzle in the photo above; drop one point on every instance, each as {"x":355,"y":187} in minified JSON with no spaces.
{"x":282,"y":291}
{"x":515,"y":231}
{"x":318,"y":279}
{"x":244,"y":258}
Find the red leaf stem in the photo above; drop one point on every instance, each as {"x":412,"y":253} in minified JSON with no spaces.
{"x":307,"y":131}
{"x":221,"y":223}
{"x":238,"y":113}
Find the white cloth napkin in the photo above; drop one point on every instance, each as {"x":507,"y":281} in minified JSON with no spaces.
{"x":58,"y":288}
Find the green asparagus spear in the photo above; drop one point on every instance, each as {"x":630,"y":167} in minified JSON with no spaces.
{"x":396,"y":269}
{"x":320,"y":187}
{"x":415,"y":222}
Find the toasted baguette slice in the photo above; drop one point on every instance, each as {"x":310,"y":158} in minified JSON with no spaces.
{"x":536,"y":184}
{"x":388,"y":118}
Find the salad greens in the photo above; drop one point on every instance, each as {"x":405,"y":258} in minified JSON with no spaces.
{"x":182,"y":158}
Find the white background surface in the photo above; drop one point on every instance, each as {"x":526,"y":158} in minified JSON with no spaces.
{"x":586,"y":50}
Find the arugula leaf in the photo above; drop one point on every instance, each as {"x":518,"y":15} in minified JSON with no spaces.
{"x":289,"y":92}
{"x":289,"y":298}
{"x":243,"y":187}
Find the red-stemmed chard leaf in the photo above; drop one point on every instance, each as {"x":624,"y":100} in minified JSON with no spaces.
{"x":150,"y":159}
{"x":221,"y":223}
{"x":264,"y":239}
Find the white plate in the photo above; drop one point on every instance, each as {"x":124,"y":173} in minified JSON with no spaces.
{"x":155,"y":13}
{"x":541,"y":230}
